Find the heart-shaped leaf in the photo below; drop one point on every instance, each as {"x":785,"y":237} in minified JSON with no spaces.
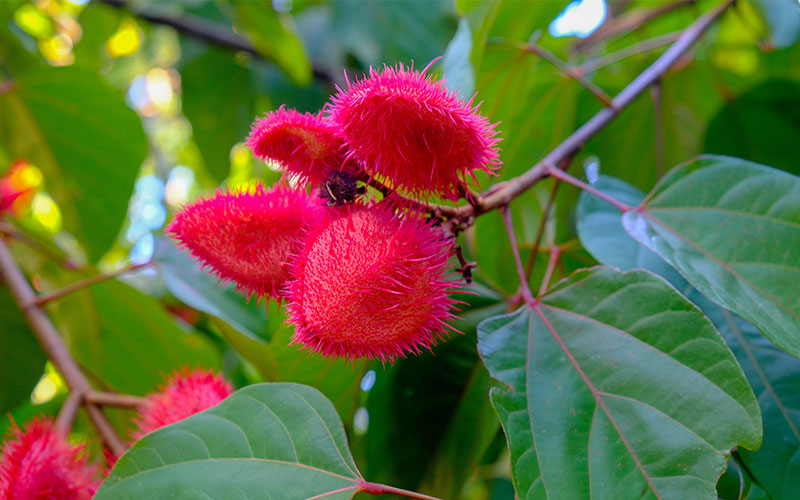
{"x":773,"y":374}
{"x":264,"y":441}
{"x":732,"y":229}
{"x":618,"y":388}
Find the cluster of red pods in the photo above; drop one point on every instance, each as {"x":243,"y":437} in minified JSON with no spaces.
{"x":361,"y":276}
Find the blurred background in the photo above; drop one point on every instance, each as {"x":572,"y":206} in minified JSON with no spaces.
{"x":115,"y":113}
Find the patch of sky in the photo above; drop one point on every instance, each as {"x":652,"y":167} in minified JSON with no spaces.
{"x":368,"y":381}
{"x":146,"y":212}
{"x":579,"y":18}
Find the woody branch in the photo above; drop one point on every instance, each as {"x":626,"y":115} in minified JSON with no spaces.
{"x":56,"y":350}
{"x":503,"y":193}
{"x":499,"y":196}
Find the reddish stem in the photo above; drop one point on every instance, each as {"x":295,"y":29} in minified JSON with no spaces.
{"x":540,"y":230}
{"x":381,"y":489}
{"x":560,"y":174}
{"x":525,"y":290}
{"x":555,"y":255}
{"x":565,"y":68}
{"x":79,"y":285}
{"x":638,"y":48}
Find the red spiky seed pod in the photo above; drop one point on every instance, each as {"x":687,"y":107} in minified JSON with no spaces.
{"x":39,"y":464}
{"x":305,"y":145}
{"x":246,"y":237}
{"x":410,"y":131}
{"x":184,"y":394}
{"x":371,"y":283}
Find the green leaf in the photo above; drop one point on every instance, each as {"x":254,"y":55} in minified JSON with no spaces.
{"x":97,"y":145}
{"x":732,"y":228}
{"x":265,"y":441}
{"x":392,"y":32}
{"x":428,"y":414}
{"x":22,"y":359}
{"x":184,"y":277}
{"x":488,"y":244}
{"x":471,"y":430}
{"x":257,"y":352}
{"x":132,"y":342}
{"x":456,"y":64}
{"x":273,"y":35}
{"x":601,"y":233}
{"x":618,"y":388}
{"x":689,"y":98}
{"x":761,"y":125}
{"x":218,"y":99}
{"x":98,"y":23}
{"x":735,"y":479}
{"x":773,"y":374}
{"x":337,"y":379}
{"x":410,"y":407}
{"x":775,"y":377}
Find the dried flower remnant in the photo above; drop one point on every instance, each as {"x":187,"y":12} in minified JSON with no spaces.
{"x":411,"y":132}
{"x":306,"y":145}
{"x":39,"y":464}
{"x":247,"y":237}
{"x":369,"y":282}
{"x":184,"y":394}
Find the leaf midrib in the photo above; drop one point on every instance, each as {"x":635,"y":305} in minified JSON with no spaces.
{"x":596,"y":396}
{"x":651,"y":347}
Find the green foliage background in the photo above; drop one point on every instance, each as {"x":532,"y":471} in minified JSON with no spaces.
{"x":425,"y":423}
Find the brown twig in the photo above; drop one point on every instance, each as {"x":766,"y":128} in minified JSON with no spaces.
{"x":79,"y":285}
{"x":638,"y":48}
{"x":627,"y":22}
{"x":431,"y":208}
{"x":211,"y":32}
{"x":68,"y":412}
{"x":12,"y":232}
{"x":516,"y":186}
{"x":466,"y":267}
{"x":567,"y":69}
{"x":113,"y":399}
{"x":503,"y":193}
{"x":655,"y":94}
{"x":53,"y":346}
